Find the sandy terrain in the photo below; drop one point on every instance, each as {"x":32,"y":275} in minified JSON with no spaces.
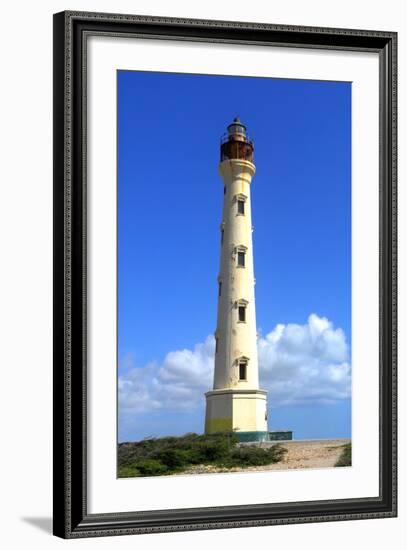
{"x":321,"y":453}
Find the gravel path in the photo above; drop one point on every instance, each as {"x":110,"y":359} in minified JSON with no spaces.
{"x":310,"y":454}
{"x":321,"y":453}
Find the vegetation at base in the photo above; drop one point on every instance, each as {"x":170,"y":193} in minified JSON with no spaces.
{"x":170,"y":455}
{"x":346,"y":456}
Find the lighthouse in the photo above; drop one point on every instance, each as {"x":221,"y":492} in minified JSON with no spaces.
{"x":236,"y":402}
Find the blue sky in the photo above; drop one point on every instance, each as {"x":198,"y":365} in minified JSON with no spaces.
{"x":169,"y":211}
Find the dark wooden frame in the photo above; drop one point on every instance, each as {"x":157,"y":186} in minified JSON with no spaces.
{"x":71,"y":518}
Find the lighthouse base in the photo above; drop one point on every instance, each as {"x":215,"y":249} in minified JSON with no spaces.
{"x":243,"y":412}
{"x":251,"y":437}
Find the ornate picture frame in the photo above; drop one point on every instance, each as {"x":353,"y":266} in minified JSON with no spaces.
{"x":71,"y":512}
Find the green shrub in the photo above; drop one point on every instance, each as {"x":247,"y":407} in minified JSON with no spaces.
{"x":212,"y":450}
{"x":250,"y":455}
{"x":346,"y":456}
{"x":151,"y":467}
{"x":168,"y":455}
{"x":277,"y":453}
{"x":173,"y":458}
{"x":127,"y":471}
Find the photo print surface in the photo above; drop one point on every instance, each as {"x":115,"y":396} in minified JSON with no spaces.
{"x":234,"y":273}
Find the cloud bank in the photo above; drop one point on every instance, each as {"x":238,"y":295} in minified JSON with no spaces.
{"x":299,"y":364}
{"x":302,"y":364}
{"x":178,"y":383}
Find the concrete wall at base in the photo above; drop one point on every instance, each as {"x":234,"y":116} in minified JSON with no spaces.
{"x":248,"y":437}
{"x":282,"y":435}
{"x":239,"y":411}
{"x":219,"y":413}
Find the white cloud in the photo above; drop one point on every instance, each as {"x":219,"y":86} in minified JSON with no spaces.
{"x":298,"y":364}
{"x":178,"y":383}
{"x":305,"y":363}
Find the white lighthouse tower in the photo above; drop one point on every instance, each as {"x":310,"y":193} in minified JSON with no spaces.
{"x":236,"y":403}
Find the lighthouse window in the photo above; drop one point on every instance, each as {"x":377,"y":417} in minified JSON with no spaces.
{"x":242,"y":314}
{"x":242,"y":370}
{"x":216,"y":344}
{"x":241,"y":258}
{"x":222,"y":235}
{"x":220,"y":288}
{"x":240,"y":206}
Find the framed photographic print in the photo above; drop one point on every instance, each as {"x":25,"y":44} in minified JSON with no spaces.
{"x":224,"y":274}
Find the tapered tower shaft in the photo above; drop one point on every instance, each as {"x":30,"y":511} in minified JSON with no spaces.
{"x":236,"y":402}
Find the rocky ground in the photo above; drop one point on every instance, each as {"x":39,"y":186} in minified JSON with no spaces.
{"x":321,"y":453}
